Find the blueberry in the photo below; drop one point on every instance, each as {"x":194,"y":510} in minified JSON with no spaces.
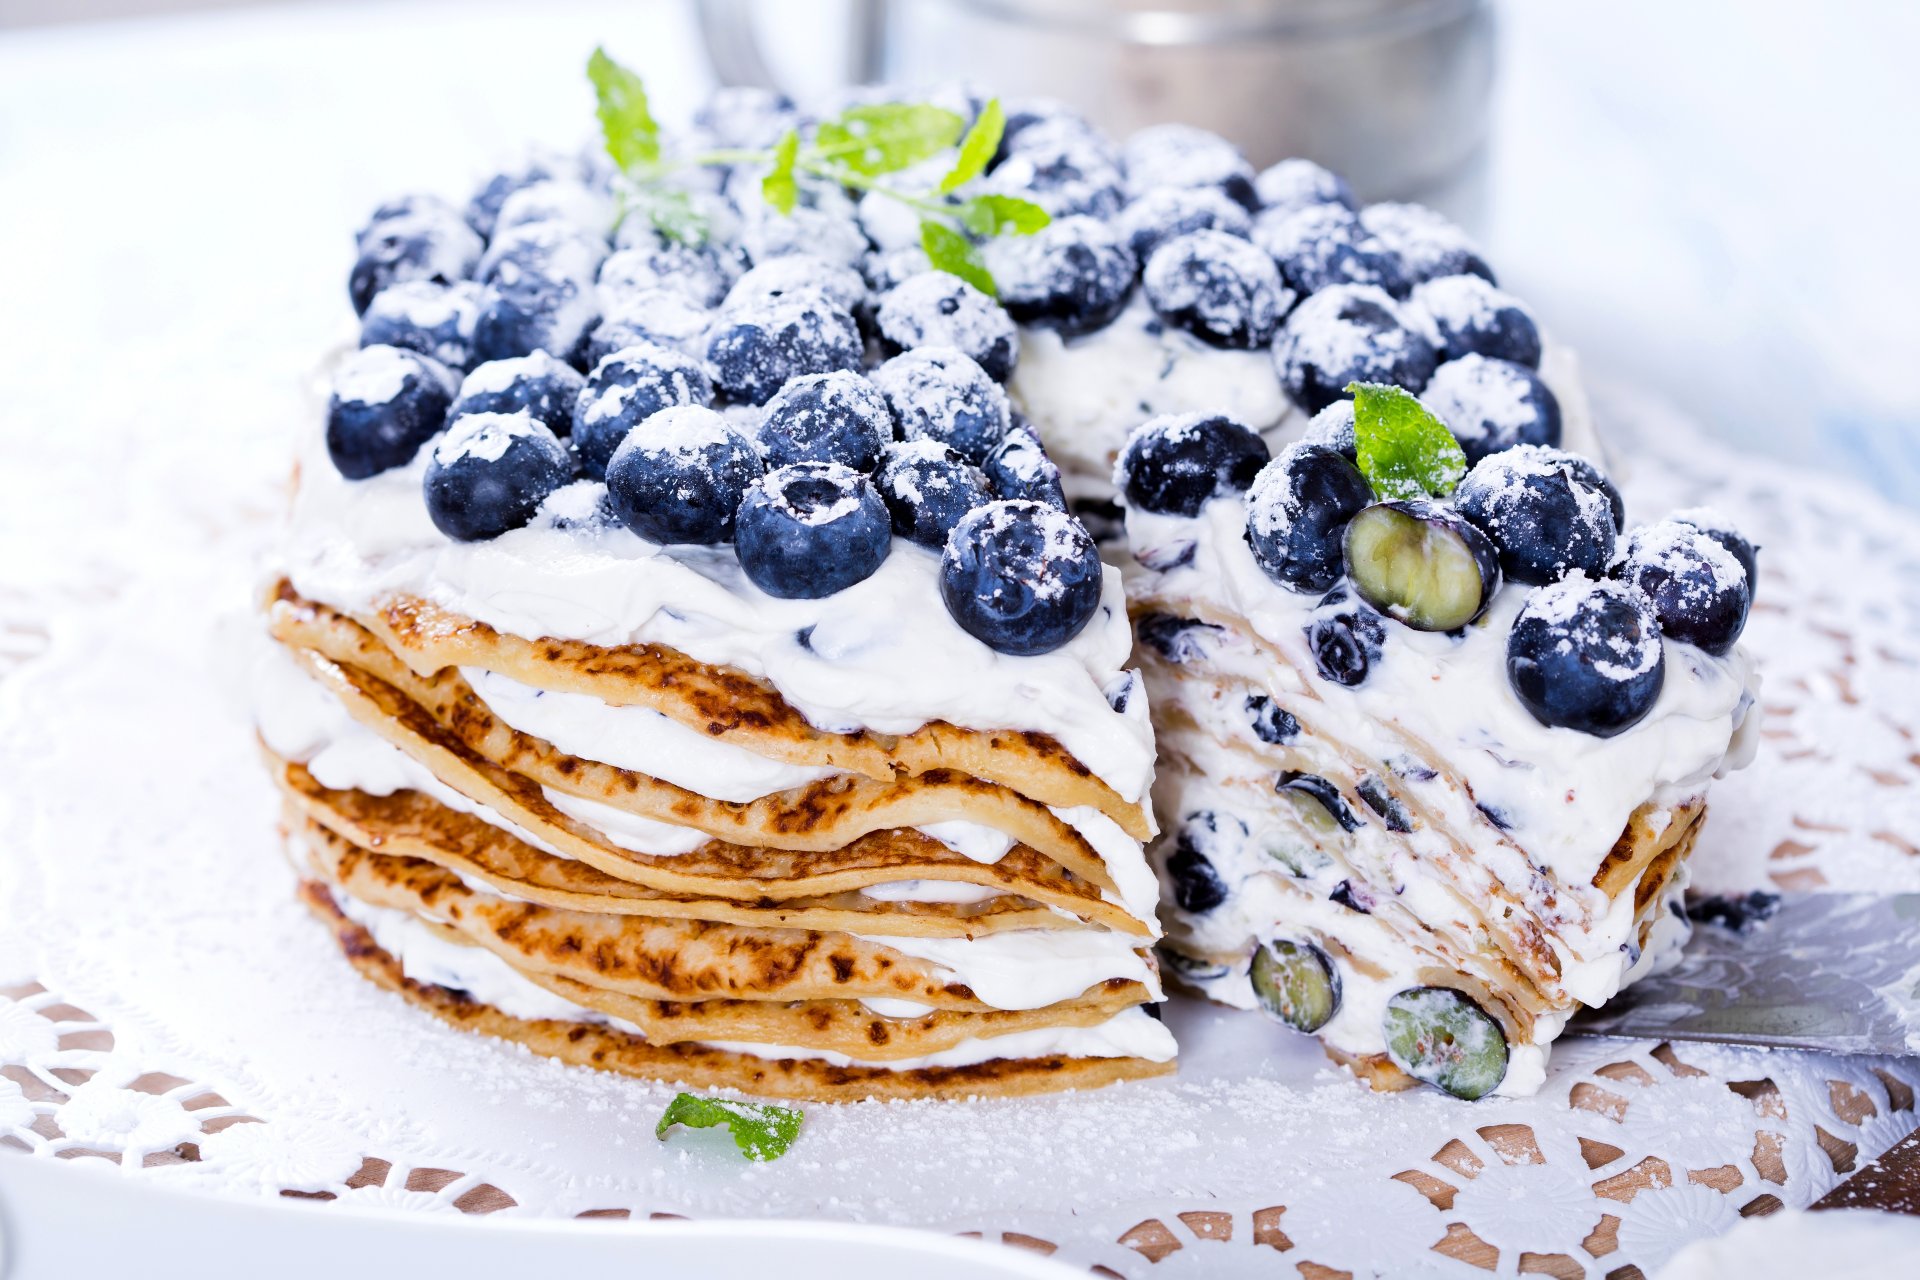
{"x":1297,"y":514}
{"x":1738,"y":913}
{"x":1272,"y":723}
{"x":798,"y":273}
{"x":826,"y":417}
{"x":1296,"y":183}
{"x":1466,"y":315}
{"x":1218,"y":288}
{"x":1540,"y":512}
{"x":1427,"y":245}
{"x":1295,"y":984}
{"x":699,"y":273}
{"x":938,"y":393}
{"x":886,"y":269}
{"x":434,"y":319}
{"x":1181,"y":155}
{"x":484,"y":208}
{"x":1332,"y":428}
{"x":490,"y":472}
{"x":537,"y":384}
{"x":1343,"y":334}
{"x":934,"y":309}
{"x":540,"y":294}
{"x":1346,"y":638}
{"x":626,"y":389}
{"x":1165,"y":212}
{"x":1176,"y":463}
{"x":1583,"y":470}
{"x":745,"y":116}
{"x":1318,"y":245}
{"x":1322,"y":792}
{"x":1021,"y":577}
{"x":1586,"y":655}
{"x":565,"y":200}
{"x":1422,"y":563}
{"x":811,"y":529}
{"x":1197,"y":886}
{"x":1019,"y":467}
{"x":1699,"y":589}
{"x":756,"y":348}
{"x":387,"y":402}
{"x":416,"y":240}
{"x":1178,"y":640}
{"x":1384,"y":803}
{"x":653,"y":316}
{"x":766,"y":234}
{"x":928,"y":487}
{"x":1717,"y":527}
{"x":1074,"y":275}
{"x":1063,"y":170}
{"x":680,"y":477}
{"x":1491,"y":405}
{"x":414,"y":204}
{"x":1441,"y":1037}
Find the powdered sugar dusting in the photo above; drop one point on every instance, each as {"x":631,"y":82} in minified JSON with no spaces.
{"x":486,"y":436}
{"x":376,"y":375}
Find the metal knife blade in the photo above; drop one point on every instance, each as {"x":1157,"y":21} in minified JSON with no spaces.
{"x":1834,"y":972}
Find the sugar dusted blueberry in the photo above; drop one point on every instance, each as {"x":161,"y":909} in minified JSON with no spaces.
{"x":627,"y":388}
{"x":885,"y":269}
{"x":799,"y":273}
{"x":1021,"y":577}
{"x":745,"y":116}
{"x":1586,"y":655}
{"x":927,"y":488}
{"x":1159,"y":215}
{"x":558,"y":200}
{"x":416,"y":240}
{"x":1191,"y":873}
{"x":1318,"y":245}
{"x":537,"y":384}
{"x":484,"y":208}
{"x":1064,"y":170}
{"x":1332,"y":428}
{"x":812,"y":529}
{"x":1492,"y":405}
{"x":1343,"y":334}
{"x":1296,"y":183}
{"x":680,"y":476}
{"x":659,"y":316}
{"x":938,"y":393}
{"x":434,"y":319}
{"x":1218,"y":288}
{"x":1182,"y":155}
{"x":1541,"y":513}
{"x":490,"y":472}
{"x":387,"y":402}
{"x":756,"y":348}
{"x":699,"y":273}
{"x":1464,"y":315}
{"x":1073,"y":275}
{"x":1176,"y":463}
{"x":539,"y":293}
{"x":1722,"y":531}
{"x":1297,"y":513}
{"x":1019,"y":467}
{"x":1422,"y":563}
{"x":826,"y":417}
{"x":1345,"y":637}
{"x":1699,"y":588}
{"x":767,"y":234}
{"x":934,"y":309}
{"x":1426,"y":243}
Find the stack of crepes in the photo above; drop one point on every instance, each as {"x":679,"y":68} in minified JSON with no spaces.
{"x":548,"y":824}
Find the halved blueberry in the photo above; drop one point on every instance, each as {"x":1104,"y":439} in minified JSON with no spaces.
{"x":934,"y":309}
{"x":1295,"y":984}
{"x":826,"y":417}
{"x":1346,"y":638}
{"x":1441,"y":1037}
{"x":1540,"y":512}
{"x":756,"y":348}
{"x":537,"y":384}
{"x":626,"y":389}
{"x":1218,"y":288}
{"x":1021,"y":577}
{"x":491,"y":472}
{"x":1422,"y":563}
{"x":1157,"y":216}
{"x":1382,"y":801}
{"x":1427,"y":245}
{"x":1297,"y":514}
{"x":1722,"y":531}
{"x":812,"y":529}
{"x":1296,"y":183}
{"x":1587,"y":656}
{"x":414,"y":240}
{"x":1175,"y":464}
{"x":434,"y":319}
{"x":1293,"y":783}
{"x":680,"y":475}
{"x":1073,"y":275}
{"x":387,"y":402}
{"x":1020,"y":468}
{"x":1466,"y":315}
{"x":1699,"y":588}
{"x":939,"y":393}
{"x":928,"y":487}
{"x":1343,"y":334}
{"x":1271,"y":722}
{"x":1492,"y":405}
{"x":1317,"y":246}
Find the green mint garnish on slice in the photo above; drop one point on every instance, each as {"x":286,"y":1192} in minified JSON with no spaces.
{"x":779,"y":187}
{"x":976,"y":149}
{"x":1403,"y":450}
{"x":953,"y":253}
{"x":632,"y":134}
{"x":989,"y":215}
{"x":761,"y":1130}
{"x":886,"y":137}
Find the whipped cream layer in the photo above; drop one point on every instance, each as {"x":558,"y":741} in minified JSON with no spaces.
{"x":882,"y":655}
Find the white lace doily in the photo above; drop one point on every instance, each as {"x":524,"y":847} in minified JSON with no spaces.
{"x":164,"y":1005}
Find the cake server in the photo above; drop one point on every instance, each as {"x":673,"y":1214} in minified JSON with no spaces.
{"x":1834,"y":972}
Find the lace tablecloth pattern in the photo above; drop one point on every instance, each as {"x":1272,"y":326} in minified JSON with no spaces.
{"x":166,"y":1008}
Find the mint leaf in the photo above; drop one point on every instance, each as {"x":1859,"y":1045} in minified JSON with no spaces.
{"x":761,"y":1130}
{"x":633,"y":136}
{"x":886,"y":137}
{"x":778,"y":187}
{"x":976,"y":149}
{"x":989,"y":215}
{"x":953,"y":253}
{"x":1404,"y":451}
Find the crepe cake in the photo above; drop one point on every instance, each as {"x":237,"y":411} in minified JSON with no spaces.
{"x":684,"y":663}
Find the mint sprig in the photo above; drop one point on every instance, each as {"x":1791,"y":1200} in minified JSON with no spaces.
{"x":780,"y":188}
{"x":626,"y":118}
{"x":883,"y":138}
{"x":761,"y":1130}
{"x":1402,"y":449}
{"x":976,"y":149}
{"x":949,"y":251}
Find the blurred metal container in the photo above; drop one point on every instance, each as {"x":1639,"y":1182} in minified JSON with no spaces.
{"x":1392,"y":93}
